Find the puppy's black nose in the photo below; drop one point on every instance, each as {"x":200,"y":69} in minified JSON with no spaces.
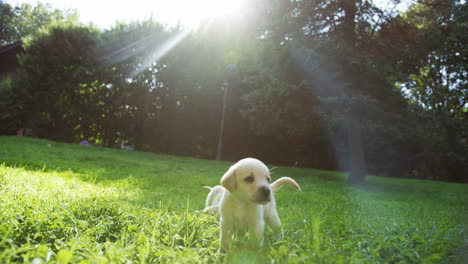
{"x":265,"y":191}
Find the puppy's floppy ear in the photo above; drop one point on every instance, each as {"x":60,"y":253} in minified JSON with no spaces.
{"x":228,"y":180}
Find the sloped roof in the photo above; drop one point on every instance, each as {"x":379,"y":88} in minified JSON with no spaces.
{"x":17,"y":46}
{"x":8,"y":59}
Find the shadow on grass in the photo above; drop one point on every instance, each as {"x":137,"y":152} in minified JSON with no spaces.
{"x":162,"y":178}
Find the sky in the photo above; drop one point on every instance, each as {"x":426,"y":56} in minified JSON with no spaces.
{"x":104,"y":13}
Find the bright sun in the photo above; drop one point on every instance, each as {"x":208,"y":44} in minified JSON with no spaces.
{"x":189,"y":13}
{"x":192,"y":12}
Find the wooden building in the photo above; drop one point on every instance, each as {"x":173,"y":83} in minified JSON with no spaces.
{"x":9,"y":59}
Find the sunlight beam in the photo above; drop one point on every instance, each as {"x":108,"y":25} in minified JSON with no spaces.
{"x":160,"y":51}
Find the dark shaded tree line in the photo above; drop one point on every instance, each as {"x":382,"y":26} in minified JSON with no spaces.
{"x":333,"y":84}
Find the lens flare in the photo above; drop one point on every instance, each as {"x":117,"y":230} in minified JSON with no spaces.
{"x":160,"y":50}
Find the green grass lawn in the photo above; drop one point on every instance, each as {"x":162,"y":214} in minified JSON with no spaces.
{"x":64,"y":203}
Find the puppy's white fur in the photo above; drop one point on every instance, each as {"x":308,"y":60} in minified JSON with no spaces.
{"x":245,"y":200}
{"x":213,"y":199}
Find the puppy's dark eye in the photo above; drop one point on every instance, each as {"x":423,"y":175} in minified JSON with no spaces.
{"x":249,"y":179}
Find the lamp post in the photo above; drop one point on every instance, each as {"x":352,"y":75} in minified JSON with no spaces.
{"x":229,"y":68}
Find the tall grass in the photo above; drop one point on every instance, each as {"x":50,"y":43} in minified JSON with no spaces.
{"x":64,"y":203}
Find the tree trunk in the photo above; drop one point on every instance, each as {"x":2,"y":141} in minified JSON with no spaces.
{"x":357,"y":166}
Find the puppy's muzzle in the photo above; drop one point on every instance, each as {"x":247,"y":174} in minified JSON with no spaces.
{"x":263,"y":194}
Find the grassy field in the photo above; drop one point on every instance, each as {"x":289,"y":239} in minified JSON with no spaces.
{"x":63,"y":203}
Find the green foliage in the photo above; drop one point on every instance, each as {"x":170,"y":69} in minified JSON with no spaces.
{"x":439,"y":82}
{"x":440,"y":146}
{"x":336,"y":84}
{"x":26,"y":21}
{"x":68,"y":83}
{"x":275,"y":108}
{"x":7,"y":108}
{"x":436,"y":88}
{"x":65,"y":203}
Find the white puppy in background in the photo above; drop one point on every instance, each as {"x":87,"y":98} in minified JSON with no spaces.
{"x":245,"y":200}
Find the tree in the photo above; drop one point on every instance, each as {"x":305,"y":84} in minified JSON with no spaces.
{"x":20,"y":22}
{"x":334,"y":43}
{"x":317,"y":83}
{"x":57,"y":98}
{"x":437,"y":89}
{"x":133,"y":97}
{"x":23,"y":23}
{"x":439,"y":82}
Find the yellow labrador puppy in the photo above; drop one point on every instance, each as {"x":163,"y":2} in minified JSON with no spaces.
{"x":245,"y":200}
